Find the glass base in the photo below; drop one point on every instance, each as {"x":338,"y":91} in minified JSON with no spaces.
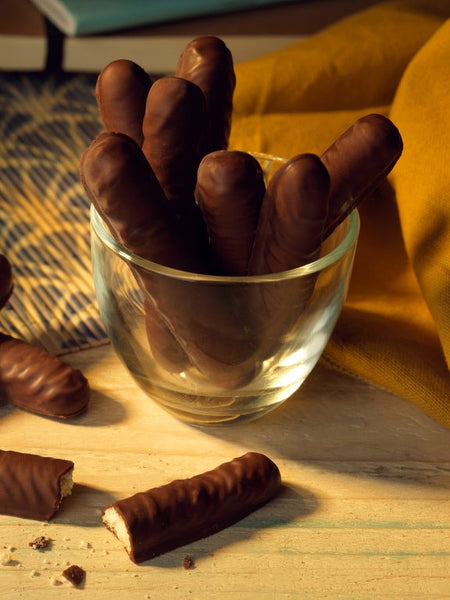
{"x":210,"y":410}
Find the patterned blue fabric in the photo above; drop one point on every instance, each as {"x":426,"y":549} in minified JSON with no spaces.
{"x":46,"y":122}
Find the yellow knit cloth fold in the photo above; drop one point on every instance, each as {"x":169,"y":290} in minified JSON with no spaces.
{"x":393,"y":58}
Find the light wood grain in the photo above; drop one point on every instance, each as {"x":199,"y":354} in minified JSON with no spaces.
{"x":364,"y":511}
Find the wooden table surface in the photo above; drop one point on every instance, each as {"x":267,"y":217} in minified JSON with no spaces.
{"x":364,"y":512}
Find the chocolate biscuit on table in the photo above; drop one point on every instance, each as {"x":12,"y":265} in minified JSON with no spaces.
{"x":158,"y":520}
{"x":33,"y":486}
{"x":33,"y":379}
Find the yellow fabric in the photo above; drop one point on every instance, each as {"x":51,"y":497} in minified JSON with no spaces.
{"x":393,"y":58}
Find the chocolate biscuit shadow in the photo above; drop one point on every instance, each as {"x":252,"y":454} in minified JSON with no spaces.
{"x":84,"y":504}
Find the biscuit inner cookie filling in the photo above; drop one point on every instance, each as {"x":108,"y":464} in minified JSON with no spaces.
{"x":115,"y":523}
{"x":66,"y":484}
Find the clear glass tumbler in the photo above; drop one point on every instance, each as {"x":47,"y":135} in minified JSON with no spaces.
{"x":216,"y":349}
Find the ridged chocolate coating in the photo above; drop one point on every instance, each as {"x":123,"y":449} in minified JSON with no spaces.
{"x":208,"y":62}
{"x":357,"y":162}
{"x":6,"y":280}
{"x":186,"y":510}
{"x":230,"y":189}
{"x":30,"y":485}
{"x":121,"y":93}
{"x":33,"y":379}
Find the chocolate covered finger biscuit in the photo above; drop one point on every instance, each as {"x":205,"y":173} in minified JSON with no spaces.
{"x":289,"y":235}
{"x":127,"y":194}
{"x":230,"y":189}
{"x":357,"y":161}
{"x":33,"y":379}
{"x":156,"y":521}
{"x":121,"y":91}
{"x":176,"y":136}
{"x":207,"y":61}
{"x":6,"y":280}
{"x":294,"y":215}
{"x":33,"y":486}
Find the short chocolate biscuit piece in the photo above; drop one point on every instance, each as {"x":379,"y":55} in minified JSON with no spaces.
{"x":33,"y":379}
{"x":163,"y":518}
{"x":33,"y":486}
{"x":75,"y":574}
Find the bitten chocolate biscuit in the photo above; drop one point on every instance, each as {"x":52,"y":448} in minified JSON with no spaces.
{"x":207,"y":61}
{"x":121,"y":92}
{"x":6,"y":280}
{"x":357,"y":162}
{"x":230,"y":189}
{"x":153,"y":522}
{"x":33,"y":486}
{"x":33,"y":379}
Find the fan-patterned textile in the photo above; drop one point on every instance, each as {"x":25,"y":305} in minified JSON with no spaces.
{"x":46,"y":121}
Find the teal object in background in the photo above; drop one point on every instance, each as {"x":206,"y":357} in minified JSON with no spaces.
{"x":81,"y":17}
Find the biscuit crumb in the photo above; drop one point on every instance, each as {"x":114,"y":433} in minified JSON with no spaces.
{"x":40,"y":543}
{"x":55,"y":581}
{"x":5,"y":558}
{"x":75,"y":574}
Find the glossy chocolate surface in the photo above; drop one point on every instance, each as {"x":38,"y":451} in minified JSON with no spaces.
{"x":31,"y":484}
{"x":185,"y":510}
{"x":207,"y":61}
{"x":230,"y":191}
{"x":121,"y":93}
{"x":357,"y":162}
{"x":33,"y":379}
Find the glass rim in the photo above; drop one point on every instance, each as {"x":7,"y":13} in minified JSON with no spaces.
{"x":100,"y":229}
